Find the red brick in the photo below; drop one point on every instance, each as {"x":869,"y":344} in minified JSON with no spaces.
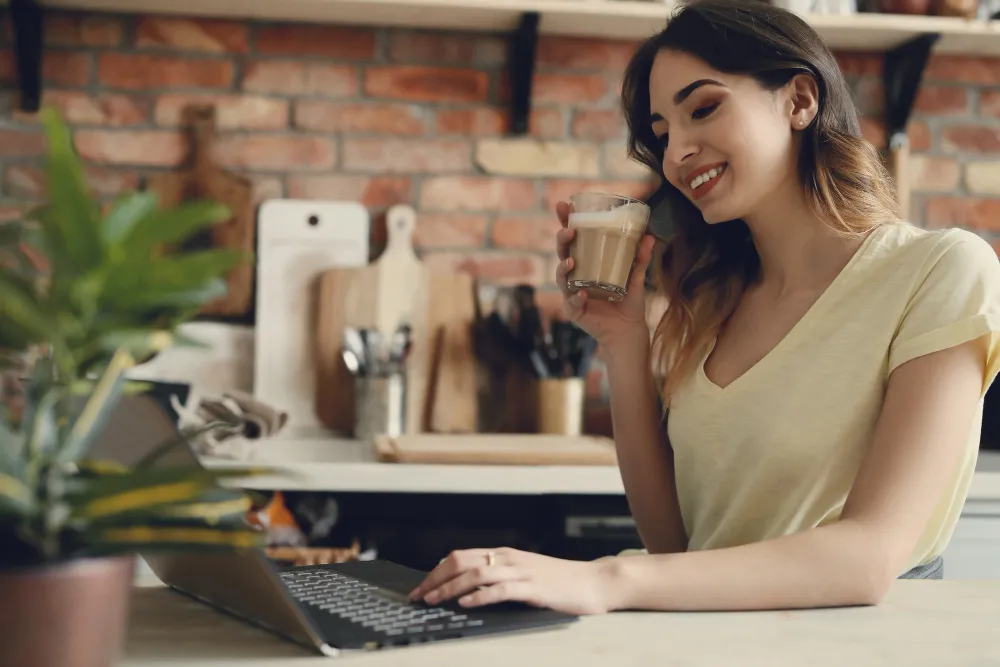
{"x":290,"y":77}
{"x":496,"y":267}
{"x":873,"y":129}
{"x":942,"y":100}
{"x":21,"y":143}
{"x":598,"y":124}
{"x":528,"y":232}
{"x":407,"y":156}
{"x":427,"y":84}
{"x":492,"y":122}
{"x":83,"y":30}
{"x":934,"y":174}
{"x":561,"y":189}
{"x":141,"y":71}
{"x":79,"y":108}
{"x":549,"y":301}
{"x":963,"y":212}
{"x":920,"y":136}
{"x":322,"y":116}
{"x":584,"y":53}
{"x":963,"y":69}
{"x":374,"y":192}
{"x":28,"y":181}
{"x":989,"y":103}
{"x":326,"y":41}
{"x":232,"y":112}
{"x":205,"y":35}
{"x":568,"y":88}
{"x":275,"y":152}
{"x":971,"y":138}
{"x":449,"y":230}
{"x":477,"y":193}
{"x":856,"y":63}
{"x":435,"y":48}
{"x":67,"y":68}
{"x":160,"y":148}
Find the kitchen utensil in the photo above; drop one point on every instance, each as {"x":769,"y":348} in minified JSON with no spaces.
{"x":299,"y":240}
{"x":496,"y":449}
{"x":381,"y":406}
{"x":560,"y":405}
{"x":206,"y":180}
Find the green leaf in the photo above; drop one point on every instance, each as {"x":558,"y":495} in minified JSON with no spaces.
{"x":24,"y":321}
{"x":212,"y":507}
{"x":143,"y":490}
{"x":12,"y":453}
{"x":74,"y":213}
{"x":127,"y":211}
{"x":15,"y":496}
{"x":95,"y":414}
{"x":184,"y":538}
{"x":182,"y":280}
{"x":173,"y":225}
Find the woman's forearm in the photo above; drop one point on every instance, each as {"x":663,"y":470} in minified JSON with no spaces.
{"x":644,"y":455}
{"x":834,"y":565}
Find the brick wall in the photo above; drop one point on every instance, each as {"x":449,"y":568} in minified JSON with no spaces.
{"x":387,"y":116}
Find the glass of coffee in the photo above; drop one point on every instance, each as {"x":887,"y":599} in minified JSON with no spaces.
{"x":608,"y":231}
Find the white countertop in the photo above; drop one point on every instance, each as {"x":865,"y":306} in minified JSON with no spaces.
{"x":919,"y":624}
{"x":350,"y":466}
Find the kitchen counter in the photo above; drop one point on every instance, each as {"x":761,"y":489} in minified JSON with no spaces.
{"x":921,"y":623}
{"x":349,"y":465}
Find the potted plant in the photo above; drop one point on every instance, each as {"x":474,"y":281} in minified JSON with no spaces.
{"x":84,"y":294}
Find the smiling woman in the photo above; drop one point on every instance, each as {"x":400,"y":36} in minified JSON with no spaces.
{"x":825,"y":362}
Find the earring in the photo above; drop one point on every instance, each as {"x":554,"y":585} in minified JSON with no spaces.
{"x":801,"y":123}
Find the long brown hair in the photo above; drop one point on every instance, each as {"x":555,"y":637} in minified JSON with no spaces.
{"x":702,"y":269}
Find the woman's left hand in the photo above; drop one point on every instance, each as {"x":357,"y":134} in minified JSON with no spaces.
{"x":486,"y":576}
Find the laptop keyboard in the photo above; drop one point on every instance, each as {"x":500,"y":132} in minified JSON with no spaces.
{"x":375,"y":608}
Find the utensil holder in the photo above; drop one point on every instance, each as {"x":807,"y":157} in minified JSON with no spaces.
{"x":380,"y":402}
{"x":560,"y":405}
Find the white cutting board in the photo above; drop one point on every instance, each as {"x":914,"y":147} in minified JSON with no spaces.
{"x":297,"y":241}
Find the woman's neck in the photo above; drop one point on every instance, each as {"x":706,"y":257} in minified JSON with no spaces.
{"x":797,"y":250}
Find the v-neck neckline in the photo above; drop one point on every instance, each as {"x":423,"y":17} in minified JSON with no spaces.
{"x":789,"y":335}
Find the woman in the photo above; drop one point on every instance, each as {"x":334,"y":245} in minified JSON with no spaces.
{"x":825,"y":362}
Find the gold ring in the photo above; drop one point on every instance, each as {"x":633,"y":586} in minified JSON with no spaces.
{"x":489,"y":558}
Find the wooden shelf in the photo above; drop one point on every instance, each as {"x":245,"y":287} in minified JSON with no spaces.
{"x":622,"y":19}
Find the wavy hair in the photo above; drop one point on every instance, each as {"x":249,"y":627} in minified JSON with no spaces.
{"x":702,"y":269}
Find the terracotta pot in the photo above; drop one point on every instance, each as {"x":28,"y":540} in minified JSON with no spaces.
{"x":905,"y":6}
{"x":966,"y":9}
{"x":67,"y":615}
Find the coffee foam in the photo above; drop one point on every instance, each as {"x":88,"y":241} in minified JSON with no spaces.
{"x":630,"y":218}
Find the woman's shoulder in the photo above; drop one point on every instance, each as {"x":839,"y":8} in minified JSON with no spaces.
{"x":905,"y":246}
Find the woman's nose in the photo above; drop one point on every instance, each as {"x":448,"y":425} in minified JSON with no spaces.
{"x":679,"y":151}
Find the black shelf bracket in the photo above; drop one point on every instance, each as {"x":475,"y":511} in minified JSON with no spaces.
{"x":521,"y":48}
{"x":27,"y":19}
{"x":901,"y":77}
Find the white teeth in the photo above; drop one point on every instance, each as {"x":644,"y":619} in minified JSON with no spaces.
{"x":701,"y":179}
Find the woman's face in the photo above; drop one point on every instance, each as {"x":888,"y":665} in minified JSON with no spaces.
{"x":728,"y":144}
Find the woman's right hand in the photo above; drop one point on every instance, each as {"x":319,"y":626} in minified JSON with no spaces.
{"x":604,"y":320}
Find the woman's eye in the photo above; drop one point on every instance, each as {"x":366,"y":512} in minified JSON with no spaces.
{"x":704,"y":112}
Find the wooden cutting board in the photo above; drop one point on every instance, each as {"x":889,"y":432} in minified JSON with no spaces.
{"x":454,"y":391}
{"x":381,"y":295}
{"x":496,"y":449}
{"x":206,"y":180}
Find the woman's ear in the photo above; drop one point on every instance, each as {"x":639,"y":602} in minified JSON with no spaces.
{"x":804,"y":101}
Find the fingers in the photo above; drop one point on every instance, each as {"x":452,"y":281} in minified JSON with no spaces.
{"x":504,"y":591}
{"x":449,"y":568}
{"x":563,"y":239}
{"x":574,"y":306}
{"x":562,"y":212}
{"x":470,"y":580}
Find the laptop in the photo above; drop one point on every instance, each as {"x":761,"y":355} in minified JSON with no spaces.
{"x":330,"y":609}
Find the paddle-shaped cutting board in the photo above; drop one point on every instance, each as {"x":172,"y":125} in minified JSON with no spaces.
{"x":382,"y":296}
{"x":454,"y":387}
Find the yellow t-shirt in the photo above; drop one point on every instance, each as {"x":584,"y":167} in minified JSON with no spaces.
{"x":777,"y":450}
